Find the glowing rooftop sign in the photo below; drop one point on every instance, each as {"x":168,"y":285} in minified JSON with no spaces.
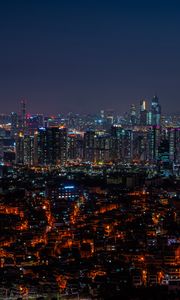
{"x":69,"y":187}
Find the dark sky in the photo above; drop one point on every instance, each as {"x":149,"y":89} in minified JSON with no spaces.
{"x":71,"y":55}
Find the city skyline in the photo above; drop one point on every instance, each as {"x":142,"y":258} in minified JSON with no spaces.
{"x":89,"y":150}
{"x":136,"y":104}
{"x":83,"y":57}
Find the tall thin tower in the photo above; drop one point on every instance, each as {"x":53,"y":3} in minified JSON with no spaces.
{"x":23,"y":113}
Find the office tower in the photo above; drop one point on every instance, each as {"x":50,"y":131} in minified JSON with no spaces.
{"x":89,"y":140}
{"x":23,"y":114}
{"x":155,"y":116}
{"x":143,"y":113}
{"x":154,"y":138}
{"x":133,"y":116}
{"x":121,"y":143}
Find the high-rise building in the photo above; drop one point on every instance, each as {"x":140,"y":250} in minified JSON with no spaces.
{"x":29,"y":150}
{"x":14,"y":123}
{"x":140,"y":145}
{"x":22,"y":118}
{"x":24,"y":149}
{"x":154,"y":139}
{"x":143,"y":112}
{"x":75,"y":146}
{"x":121,"y":143}
{"x":155,"y":116}
{"x":133,"y":116}
{"x":63,"y":144}
{"x":19,"y":148}
{"x":174,"y":144}
{"x":177,"y":146}
{"x":41,"y":147}
{"x":109,"y":118}
{"x":52,"y":146}
{"x":89,"y":141}
{"x":102,"y":147}
{"x":163,"y":151}
{"x":72,"y":141}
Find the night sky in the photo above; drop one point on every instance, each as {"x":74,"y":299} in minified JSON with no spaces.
{"x":83,"y":56}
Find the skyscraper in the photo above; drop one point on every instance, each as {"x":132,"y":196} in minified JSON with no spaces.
{"x":51,"y":146}
{"x":155,"y":117}
{"x":121,"y":143}
{"x":102,"y":147}
{"x":22,"y":115}
{"x":62,"y":144}
{"x":133,"y":117}
{"x":89,"y":141}
{"x":19,"y":148}
{"x":143,"y":112}
{"x":154,"y":139}
{"x":14,"y":123}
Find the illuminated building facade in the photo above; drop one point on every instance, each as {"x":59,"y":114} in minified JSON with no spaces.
{"x":155,"y":114}
{"x":121,"y":143}
{"x":89,"y":143}
{"x":52,"y":146}
{"x":143,"y":113}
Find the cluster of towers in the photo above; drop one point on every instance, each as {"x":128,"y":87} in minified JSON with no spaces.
{"x":46,"y":146}
{"x":57,"y":145}
{"x":145,"y":117}
{"x":142,"y":139}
